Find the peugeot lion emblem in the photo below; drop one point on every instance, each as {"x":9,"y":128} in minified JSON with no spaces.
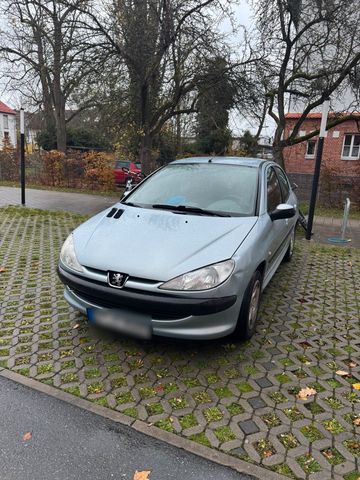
{"x":117,"y":279}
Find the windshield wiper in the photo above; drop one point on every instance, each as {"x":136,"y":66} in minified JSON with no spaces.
{"x":130,"y":204}
{"x":189,"y":209}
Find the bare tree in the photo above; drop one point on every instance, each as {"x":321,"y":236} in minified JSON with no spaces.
{"x":49,"y":53}
{"x":163,"y":45}
{"x":313,"y":49}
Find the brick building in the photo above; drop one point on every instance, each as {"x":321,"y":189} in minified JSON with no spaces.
{"x":7,"y":126}
{"x":340,"y":175}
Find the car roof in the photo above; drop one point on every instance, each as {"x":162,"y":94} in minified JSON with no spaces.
{"x":245,"y":161}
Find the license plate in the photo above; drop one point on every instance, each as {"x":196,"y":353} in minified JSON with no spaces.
{"x":128,"y":323}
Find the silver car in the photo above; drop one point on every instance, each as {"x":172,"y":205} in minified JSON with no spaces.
{"x":187,"y":252}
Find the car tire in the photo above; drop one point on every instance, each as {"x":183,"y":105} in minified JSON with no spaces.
{"x":246,"y":324}
{"x":290,"y":251}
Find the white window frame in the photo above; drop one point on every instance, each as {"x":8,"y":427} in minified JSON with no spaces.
{"x":353,"y":135}
{"x":307,"y":155}
{"x":6,"y":122}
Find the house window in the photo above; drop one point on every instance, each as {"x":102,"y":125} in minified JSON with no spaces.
{"x":351,"y":147}
{"x":6,"y":122}
{"x":310,"y":149}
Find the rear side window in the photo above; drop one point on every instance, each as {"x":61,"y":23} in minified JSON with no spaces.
{"x":121,"y":164}
{"x":284,"y":184}
{"x":274,"y":197}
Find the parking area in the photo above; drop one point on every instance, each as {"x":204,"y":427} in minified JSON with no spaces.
{"x":245,"y":399}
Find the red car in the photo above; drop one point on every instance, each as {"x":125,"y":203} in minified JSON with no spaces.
{"x":121,"y":176}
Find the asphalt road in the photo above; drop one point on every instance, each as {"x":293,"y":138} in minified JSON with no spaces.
{"x":69,"y":443}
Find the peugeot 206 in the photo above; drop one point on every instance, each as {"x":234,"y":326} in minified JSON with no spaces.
{"x":187,"y":253}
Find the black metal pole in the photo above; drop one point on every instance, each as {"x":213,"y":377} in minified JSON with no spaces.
{"x":314,"y":190}
{"x":22,"y":156}
{"x":319,"y":153}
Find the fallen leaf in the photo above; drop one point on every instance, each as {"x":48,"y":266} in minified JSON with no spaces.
{"x":306,"y":392}
{"x":27,"y":436}
{"x":76,"y":326}
{"x":144,"y":475}
{"x":357,"y":422}
{"x":353,"y":364}
{"x":2,"y":269}
{"x":356,"y":386}
{"x":342,"y":373}
{"x":159,"y":388}
{"x":267,"y":453}
{"x":328,"y":454}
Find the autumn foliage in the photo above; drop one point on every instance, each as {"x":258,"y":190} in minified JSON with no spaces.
{"x":88,"y":171}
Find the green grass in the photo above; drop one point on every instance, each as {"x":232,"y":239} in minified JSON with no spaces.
{"x":244,"y":387}
{"x":165,"y":424}
{"x":311,"y":433}
{"x":264,"y":448}
{"x":125,"y":397}
{"x":235,"y":409}
{"x":308,"y":464}
{"x":333,"y":456}
{"x":293,"y":413}
{"x":224,"y":434}
{"x":108,"y":193}
{"x":353,"y":445}
{"x":200,"y":438}
{"x":223,"y":392}
{"x":288,"y":440}
{"x":271,"y":420}
{"x":334,"y":212}
{"x":283,"y":469}
{"x":352,"y":475}
{"x":212,"y":414}
{"x":188,"y":421}
{"x":333,"y":426}
{"x":154,"y":408}
{"x":178,"y":402}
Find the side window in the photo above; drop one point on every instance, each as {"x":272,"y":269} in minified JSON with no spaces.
{"x":284,"y":184}
{"x":273,"y":190}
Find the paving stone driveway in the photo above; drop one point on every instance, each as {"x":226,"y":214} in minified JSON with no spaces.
{"x":239,"y":398}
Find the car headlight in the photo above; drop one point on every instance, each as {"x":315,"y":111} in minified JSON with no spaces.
{"x":67,"y":255}
{"x":202,"y":279}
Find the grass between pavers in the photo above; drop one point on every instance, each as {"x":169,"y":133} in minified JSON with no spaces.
{"x":179,"y":386}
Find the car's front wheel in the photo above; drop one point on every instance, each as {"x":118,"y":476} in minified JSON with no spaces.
{"x":246,"y":324}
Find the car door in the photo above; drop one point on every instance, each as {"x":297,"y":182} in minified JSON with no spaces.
{"x":279,"y":229}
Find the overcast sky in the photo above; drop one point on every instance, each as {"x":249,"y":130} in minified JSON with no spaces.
{"x":242,"y":14}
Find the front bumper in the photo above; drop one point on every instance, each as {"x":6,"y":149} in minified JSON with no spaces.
{"x":170,"y":314}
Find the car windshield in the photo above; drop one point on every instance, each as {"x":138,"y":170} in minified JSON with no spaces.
{"x":227,"y":189}
{"x":138,"y":165}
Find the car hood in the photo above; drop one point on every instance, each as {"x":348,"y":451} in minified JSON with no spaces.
{"x":158,"y":244}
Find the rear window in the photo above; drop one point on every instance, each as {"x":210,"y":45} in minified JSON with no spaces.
{"x":121,"y":164}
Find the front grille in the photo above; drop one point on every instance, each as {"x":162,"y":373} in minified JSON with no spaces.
{"x":108,"y":304}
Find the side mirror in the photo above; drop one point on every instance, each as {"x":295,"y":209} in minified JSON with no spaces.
{"x":125,"y":194}
{"x":282,"y":211}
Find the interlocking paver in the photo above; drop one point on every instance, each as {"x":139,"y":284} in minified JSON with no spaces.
{"x":240,"y":398}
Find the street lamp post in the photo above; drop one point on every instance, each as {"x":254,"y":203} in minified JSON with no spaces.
{"x":22,"y":155}
{"x":319,"y":153}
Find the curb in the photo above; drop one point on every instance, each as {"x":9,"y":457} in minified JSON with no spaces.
{"x":175,"y":440}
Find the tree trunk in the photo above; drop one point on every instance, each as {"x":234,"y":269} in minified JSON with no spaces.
{"x":278,"y":148}
{"x":145,"y":153}
{"x":60,"y":128}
